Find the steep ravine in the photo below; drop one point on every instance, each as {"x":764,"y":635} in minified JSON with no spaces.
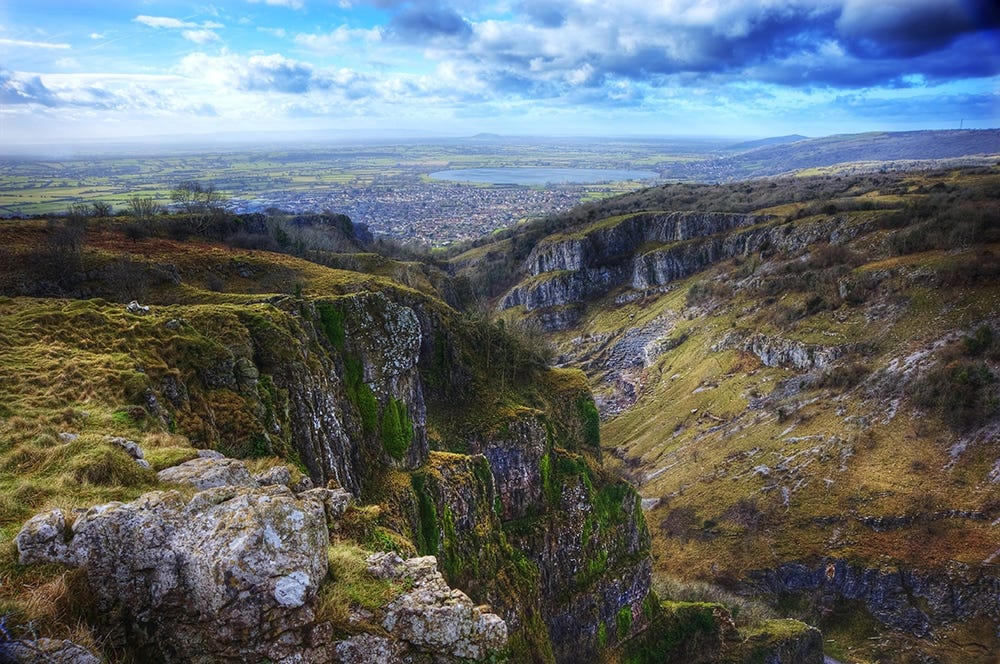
{"x":389,"y":396}
{"x":806,"y":400}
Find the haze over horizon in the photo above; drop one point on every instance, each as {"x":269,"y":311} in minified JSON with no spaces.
{"x":77,"y":70}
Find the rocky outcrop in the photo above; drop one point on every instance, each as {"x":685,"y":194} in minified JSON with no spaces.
{"x":778,"y":351}
{"x":232,"y":575}
{"x":569,"y":269}
{"x":434,"y":617}
{"x":335,"y":383}
{"x":49,"y":651}
{"x":206,"y":473}
{"x":198,"y":579}
{"x":917,"y":602}
{"x":582,"y":530}
{"x":649,"y":251}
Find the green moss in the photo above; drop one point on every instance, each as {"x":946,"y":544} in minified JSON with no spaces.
{"x":439,"y":371}
{"x":681,"y":633}
{"x":591,"y":421}
{"x":550,"y":487}
{"x":452,"y":561}
{"x":602,"y":636}
{"x":428,"y":534}
{"x":360,"y":394}
{"x":623,"y":621}
{"x":331,"y":320}
{"x":397,"y":429}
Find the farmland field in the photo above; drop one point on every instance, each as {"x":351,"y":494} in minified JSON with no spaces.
{"x":387,"y":186}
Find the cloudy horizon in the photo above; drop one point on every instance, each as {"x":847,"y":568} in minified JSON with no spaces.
{"x":78,"y":70}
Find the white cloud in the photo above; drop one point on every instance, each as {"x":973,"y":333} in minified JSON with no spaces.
{"x":291,"y":4}
{"x":163,"y":22}
{"x":32,"y":44}
{"x":173,"y":23}
{"x":96,"y":35}
{"x":280,"y":33}
{"x":200,"y":36}
{"x":334,"y":40}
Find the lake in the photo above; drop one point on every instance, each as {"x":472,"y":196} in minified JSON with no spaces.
{"x":537,"y":176}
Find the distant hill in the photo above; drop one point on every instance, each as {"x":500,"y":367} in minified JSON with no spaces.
{"x":868,"y":152}
{"x":765,"y":142}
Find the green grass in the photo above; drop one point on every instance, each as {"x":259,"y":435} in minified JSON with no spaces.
{"x":349,"y":586}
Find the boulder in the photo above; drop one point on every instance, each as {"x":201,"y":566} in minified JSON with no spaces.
{"x":214,"y":577}
{"x":137,"y":309}
{"x":49,"y":651}
{"x":207,"y":472}
{"x":43,"y":539}
{"x":275,"y":475}
{"x":434,"y":617}
{"x":334,"y":501}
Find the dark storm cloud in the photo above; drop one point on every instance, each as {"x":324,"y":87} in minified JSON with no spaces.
{"x":907,"y":28}
{"x":424,"y":22}
{"x":552,"y":46}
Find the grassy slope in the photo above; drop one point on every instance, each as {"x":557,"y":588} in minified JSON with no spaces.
{"x":76,"y":370}
{"x":72,"y":372}
{"x":747,"y":479}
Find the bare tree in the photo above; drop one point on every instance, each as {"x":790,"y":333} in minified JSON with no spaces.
{"x":199,"y":201}
{"x":101,"y":208}
{"x":143,"y":207}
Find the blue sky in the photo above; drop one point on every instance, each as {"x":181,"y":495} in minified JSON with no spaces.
{"x":74,"y":70}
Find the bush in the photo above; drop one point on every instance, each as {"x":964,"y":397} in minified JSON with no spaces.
{"x":962,"y":393}
{"x":843,"y":377}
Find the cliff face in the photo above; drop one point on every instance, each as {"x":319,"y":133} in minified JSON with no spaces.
{"x":816,"y":381}
{"x":641,"y":251}
{"x":583,"y":530}
{"x":512,"y":502}
{"x":645,"y":252}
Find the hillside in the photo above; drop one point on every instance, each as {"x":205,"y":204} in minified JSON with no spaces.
{"x":252,"y":462}
{"x":800,"y":377}
{"x":868,"y":152}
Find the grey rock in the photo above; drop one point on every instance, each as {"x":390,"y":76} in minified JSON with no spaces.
{"x":202,"y":578}
{"x":434,"y":617}
{"x":566,"y":270}
{"x":778,"y":351}
{"x":205,"y":473}
{"x":367,"y":649}
{"x":49,"y":651}
{"x":43,"y":539}
{"x":334,"y":501}
{"x":274,"y":475}
{"x":134,"y":307}
{"x":129,"y":446}
{"x":210,"y":454}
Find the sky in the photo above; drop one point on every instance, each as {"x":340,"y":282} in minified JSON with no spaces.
{"x":78,"y":70}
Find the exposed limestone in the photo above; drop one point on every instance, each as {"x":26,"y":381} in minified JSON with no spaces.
{"x":916,"y":602}
{"x":334,"y":501}
{"x":49,"y":651}
{"x":43,"y":539}
{"x":434,"y":617}
{"x":137,"y":309}
{"x":202,"y":578}
{"x":206,"y":473}
{"x":777,"y":351}
{"x":274,"y":475}
{"x":567,"y":270}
